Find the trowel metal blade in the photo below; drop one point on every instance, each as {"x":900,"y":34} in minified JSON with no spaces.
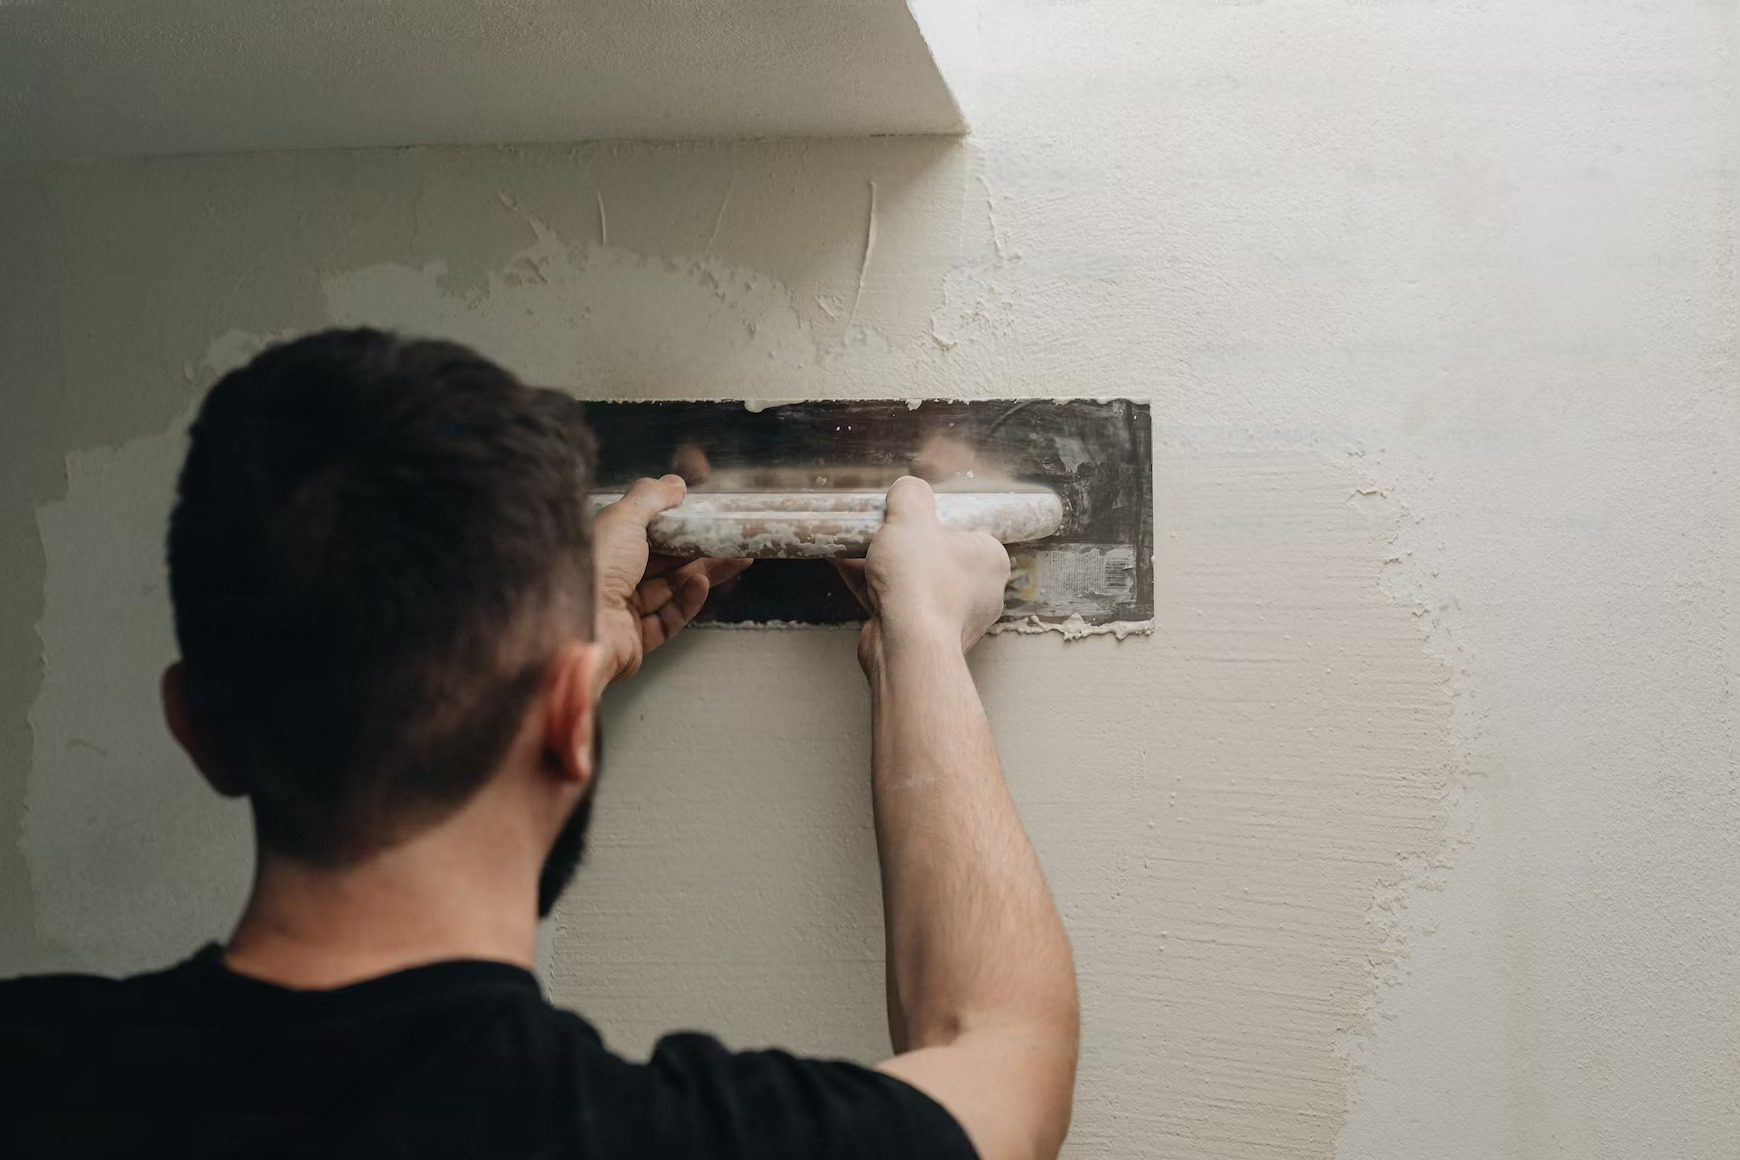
{"x":1096,"y":571}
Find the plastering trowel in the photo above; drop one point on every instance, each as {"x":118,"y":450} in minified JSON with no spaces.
{"x":1067,"y":485}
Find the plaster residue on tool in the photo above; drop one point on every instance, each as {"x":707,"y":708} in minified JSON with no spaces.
{"x":809,"y":524}
{"x":1067,"y":485}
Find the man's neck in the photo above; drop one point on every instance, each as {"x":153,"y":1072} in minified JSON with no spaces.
{"x":432,"y":899}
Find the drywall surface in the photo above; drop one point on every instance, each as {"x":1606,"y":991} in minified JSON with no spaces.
{"x":1410,"y":834}
{"x":106,"y":78}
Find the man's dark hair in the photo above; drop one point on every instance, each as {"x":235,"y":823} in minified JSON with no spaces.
{"x":376,"y":548}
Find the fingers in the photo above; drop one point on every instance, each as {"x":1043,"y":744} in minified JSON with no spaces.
{"x":910,"y":498}
{"x":671,"y":602}
{"x":665,"y":603}
{"x":995,"y":555}
{"x":690,"y":462}
{"x":659,"y":565}
{"x":654,"y":593}
{"x":852,"y":574}
{"x":718,"y":570}
{"x":646,"y":499}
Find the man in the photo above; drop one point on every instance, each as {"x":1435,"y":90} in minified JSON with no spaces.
{"x":395,"y":620}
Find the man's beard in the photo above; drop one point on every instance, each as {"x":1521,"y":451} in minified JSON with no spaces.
{"x":569,"y":848}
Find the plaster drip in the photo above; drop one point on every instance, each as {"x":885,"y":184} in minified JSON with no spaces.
{"x":991,"y":220}
{"x":719,"y":218}
{"x":603,"y":223}
{"x":864,"y":262}
{"x":1073,"y":628}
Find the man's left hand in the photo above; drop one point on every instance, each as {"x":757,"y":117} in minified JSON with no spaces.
{"x":644,"y":599}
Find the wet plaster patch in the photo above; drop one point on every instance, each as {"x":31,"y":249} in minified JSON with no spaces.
{"x":1294,"y":775}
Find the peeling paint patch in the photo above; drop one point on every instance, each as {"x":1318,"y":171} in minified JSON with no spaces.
{"x":129,"y":852}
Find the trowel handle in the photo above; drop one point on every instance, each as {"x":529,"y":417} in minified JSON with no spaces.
{"x":820,"y":525}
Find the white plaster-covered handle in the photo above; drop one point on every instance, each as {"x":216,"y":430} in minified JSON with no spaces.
{"x":795,"y":525}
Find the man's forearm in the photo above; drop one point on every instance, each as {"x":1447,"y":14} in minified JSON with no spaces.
{"x":974,"y":941}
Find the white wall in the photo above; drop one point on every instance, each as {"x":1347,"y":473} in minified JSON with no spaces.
{"x":1412,"y":833}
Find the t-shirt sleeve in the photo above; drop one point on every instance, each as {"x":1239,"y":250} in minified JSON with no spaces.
{"x":702,"y":1100}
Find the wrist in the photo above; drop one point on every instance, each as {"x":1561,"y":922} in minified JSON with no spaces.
{"x":604,"y":670}
{"x":914,"y":640}
{"x":613,"y":658}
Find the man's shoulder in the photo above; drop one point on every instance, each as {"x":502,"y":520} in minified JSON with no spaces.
{"x":792,"y":1105}
{"x":29,"y":996}
{"x":62,"y":997}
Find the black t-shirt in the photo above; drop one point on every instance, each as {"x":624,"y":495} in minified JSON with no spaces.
{"x":459,"y":1059}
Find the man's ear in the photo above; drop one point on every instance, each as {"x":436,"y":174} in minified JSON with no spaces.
{"x":572,"y":710}
{"x":194,"y":734}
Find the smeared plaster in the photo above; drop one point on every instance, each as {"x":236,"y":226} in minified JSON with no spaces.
{"x":778,"y":625}
{"x":719,"y":218}
{"x":1073,"y":627}
{"x":803,"y":525}
{"x":864,"y":261}
{"x":1303,"y":766}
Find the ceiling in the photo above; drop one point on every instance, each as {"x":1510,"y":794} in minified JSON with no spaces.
{"x":105,"y":78}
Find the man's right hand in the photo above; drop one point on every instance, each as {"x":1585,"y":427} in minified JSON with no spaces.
{"x":922,"y":582}
{"x":982,"y":1009}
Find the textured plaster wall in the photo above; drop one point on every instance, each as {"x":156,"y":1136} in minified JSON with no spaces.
{"x":1411,"y":833}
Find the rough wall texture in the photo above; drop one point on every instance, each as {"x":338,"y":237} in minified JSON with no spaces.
{"x":1411,"y":833}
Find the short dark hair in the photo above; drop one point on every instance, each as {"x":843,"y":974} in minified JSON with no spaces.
{"x":376,"y":548}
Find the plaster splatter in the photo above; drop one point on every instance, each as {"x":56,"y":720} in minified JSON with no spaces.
{"x":719,"y":218}
{"x":864,"y":261}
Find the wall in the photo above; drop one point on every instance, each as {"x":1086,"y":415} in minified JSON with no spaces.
{"x":204,"y":76}
{"x":1409,"y":834}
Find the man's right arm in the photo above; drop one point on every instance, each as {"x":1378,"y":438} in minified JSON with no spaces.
{"x":981,"y":986}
